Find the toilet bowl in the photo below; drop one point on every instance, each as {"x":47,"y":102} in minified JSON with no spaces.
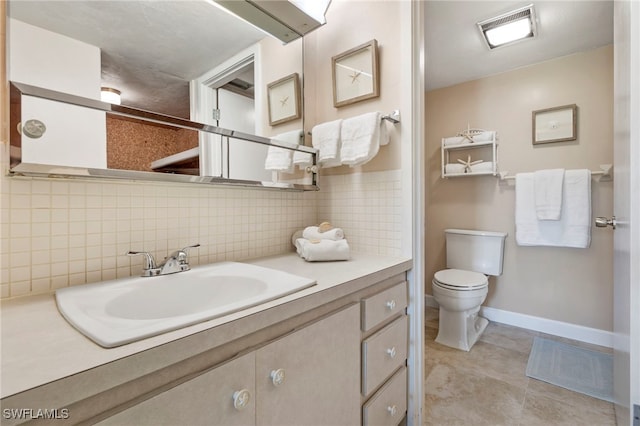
{"x":460,"y":294}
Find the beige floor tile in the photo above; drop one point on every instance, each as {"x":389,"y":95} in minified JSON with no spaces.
{"x":454,"y":397}
{"x":488,"y":385}
{"x":544,"y":410}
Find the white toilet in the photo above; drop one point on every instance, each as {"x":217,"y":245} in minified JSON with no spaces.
{"x":461,"y":289}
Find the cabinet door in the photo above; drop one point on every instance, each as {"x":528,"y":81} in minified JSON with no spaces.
{"x":205,"y":400}
{"x":312,"y":376}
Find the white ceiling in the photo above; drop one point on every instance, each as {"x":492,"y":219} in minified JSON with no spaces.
{"x":151,"y":49}
{"x":456,"y":52}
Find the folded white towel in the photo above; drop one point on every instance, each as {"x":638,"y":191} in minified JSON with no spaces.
{"x":484,"y":136}
{"x":547,"y":185}
{"x":280,"y":159}
{"x":452,"y":168}
{"x":312,"y":233}
{"x":302,"y":159}
{"x":325,"y":137}
{"x":323,"y":250}
{"x":485,"y":166}
{"x":361,"y":138}
{"x":454,"y":140}
{"x":574,"y":227}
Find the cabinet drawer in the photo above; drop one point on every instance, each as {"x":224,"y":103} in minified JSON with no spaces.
{"x":389,"y":405}
{"x":207,"y":399}
{"x":383,"y":353}
{"x":384,"y":305}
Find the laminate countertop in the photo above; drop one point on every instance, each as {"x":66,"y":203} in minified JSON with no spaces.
{"x":40,"y":347}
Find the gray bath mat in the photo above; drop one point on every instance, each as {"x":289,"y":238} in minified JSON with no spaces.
{"x":580,"y":370}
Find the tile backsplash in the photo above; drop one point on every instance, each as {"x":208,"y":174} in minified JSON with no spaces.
{"x":61,"y":232}
{"x":368,"y":207}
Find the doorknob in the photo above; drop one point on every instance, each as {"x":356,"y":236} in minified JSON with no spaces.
{"x":603,"y":222}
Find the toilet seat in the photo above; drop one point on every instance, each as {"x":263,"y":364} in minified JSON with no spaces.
{"x":460,"y":280}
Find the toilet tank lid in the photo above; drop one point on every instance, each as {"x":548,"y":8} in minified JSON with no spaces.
{"x":474,"y":232}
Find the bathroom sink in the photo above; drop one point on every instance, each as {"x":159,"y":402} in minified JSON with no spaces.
{"x":113,"y":313}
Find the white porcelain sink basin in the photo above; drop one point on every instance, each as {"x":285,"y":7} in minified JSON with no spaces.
{"x":113,"y":313}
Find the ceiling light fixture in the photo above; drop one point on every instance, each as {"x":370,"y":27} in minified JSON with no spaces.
{"x":109,"y":94}
{"x":285,"y":20}
{"x":509,"y":27}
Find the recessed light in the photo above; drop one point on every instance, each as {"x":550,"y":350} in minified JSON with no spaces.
{"x":109,"y":94}
{"x":509,"y":27}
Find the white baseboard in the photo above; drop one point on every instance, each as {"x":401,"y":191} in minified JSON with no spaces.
{"x":553,"y":327}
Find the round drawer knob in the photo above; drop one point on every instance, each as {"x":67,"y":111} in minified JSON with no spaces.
{"x":277,"y":377}
{"x":241,"y":399}
{"x":393,"y":410}
{"x":391,"y":352}
{"x":391,"y":304}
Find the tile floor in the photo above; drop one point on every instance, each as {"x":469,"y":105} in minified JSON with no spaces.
{"x":488,"y":385}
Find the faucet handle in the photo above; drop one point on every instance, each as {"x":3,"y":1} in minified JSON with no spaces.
{"x":183,"y":254}
{"x":150,"y":268}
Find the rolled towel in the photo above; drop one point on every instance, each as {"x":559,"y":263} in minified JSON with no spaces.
{"x":295,"y":236}
{"x":312,"y":233}
{"x":485,"y":166}
{"x":454,"y":140}
{"x":323,"y":250}
{"x":485,"y":136}
{"x":452,"y":168}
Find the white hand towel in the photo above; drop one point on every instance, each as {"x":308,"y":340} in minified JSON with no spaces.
{"x":452,"y":168}
{"x":323,"y":250}
{"x":302,"y":159}
{"x":574,"y":227}
{"x":485,"y":136}
{"x":547,"y":185}
{"x":361,"y":138}
{"x":454,"y":140}
{"x":325,"y":137}
{"x":312,"y":233}
{"x":485,"y":166}
{"x":280,"y":159}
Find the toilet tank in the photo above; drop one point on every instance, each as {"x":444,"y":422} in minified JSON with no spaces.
{"x":478,"y":251}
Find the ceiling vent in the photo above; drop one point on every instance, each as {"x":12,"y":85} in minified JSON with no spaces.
{"x":509,"y":28}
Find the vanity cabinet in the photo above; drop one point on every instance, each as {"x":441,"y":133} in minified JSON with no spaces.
{"x":307,"y":377}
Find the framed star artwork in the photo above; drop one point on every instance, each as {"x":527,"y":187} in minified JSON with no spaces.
{"x":284,"y":99}
{"x":355,"y":74}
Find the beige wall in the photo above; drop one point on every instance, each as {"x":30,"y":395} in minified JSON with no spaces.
{"x":563,"y":284}
{"x":350,"y":24}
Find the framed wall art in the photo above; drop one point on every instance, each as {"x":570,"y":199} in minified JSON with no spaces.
{"x":558,"y":124}
{"x":284,"y":99}
{"x":355,"y":74}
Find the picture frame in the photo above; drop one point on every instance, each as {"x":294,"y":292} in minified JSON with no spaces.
{"x":283,"y":99}
{"x":557,"y":124}
{"x":355,"y":74}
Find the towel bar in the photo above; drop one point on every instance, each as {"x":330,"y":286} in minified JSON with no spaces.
{"x":605,"y":173}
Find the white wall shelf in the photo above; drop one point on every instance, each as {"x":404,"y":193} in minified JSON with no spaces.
{"x":491,"y":146}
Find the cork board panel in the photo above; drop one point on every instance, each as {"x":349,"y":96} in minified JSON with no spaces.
{"x":134,"y":144}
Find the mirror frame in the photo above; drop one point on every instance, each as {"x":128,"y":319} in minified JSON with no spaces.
{"x":18,"y":168}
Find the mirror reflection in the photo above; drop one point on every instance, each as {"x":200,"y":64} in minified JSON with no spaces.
{"x":186,"y":59}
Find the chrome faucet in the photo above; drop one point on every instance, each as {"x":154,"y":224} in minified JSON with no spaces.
{"x":178,"y":261}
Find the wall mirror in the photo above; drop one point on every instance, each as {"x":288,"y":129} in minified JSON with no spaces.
{"x":195,"y":68}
